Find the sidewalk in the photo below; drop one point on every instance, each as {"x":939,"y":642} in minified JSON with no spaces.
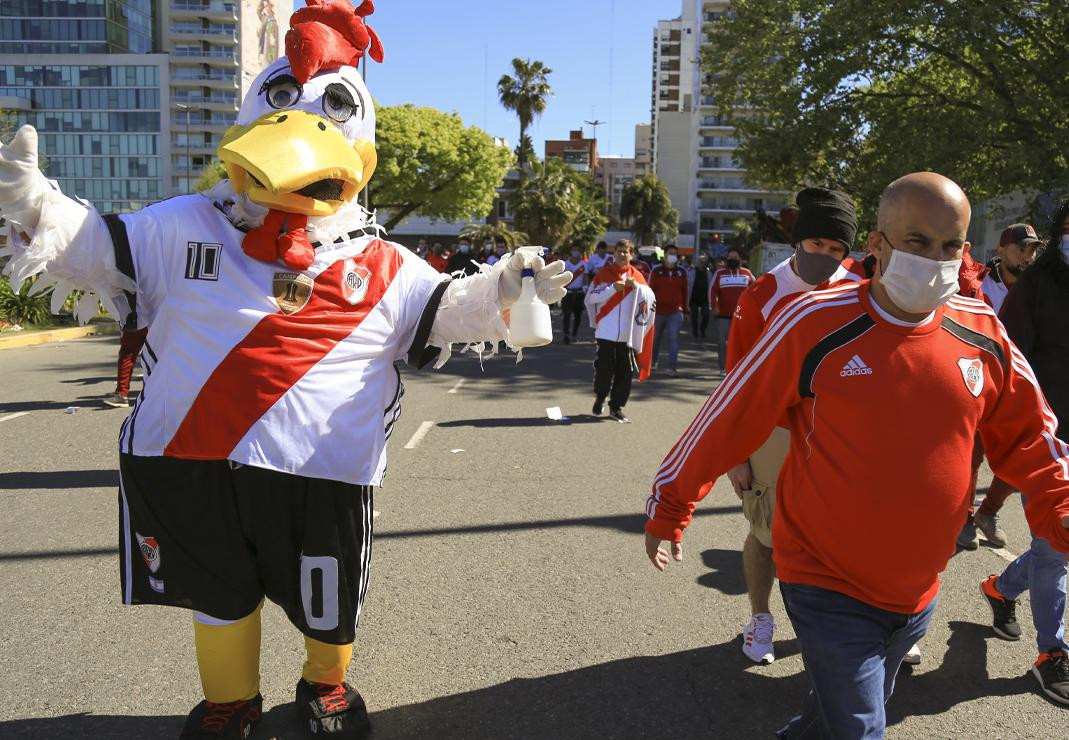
{"x":29,"y":338}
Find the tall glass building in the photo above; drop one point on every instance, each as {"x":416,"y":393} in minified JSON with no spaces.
{"x":82,"y":73}
{"x":131,"y":97}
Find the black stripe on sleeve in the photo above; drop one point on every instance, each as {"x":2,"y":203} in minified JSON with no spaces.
{"x":124,"y":260}
{"x":419,"y":354}
{"x":152,"y":354}
{"x":976,"y":339}
{"x":842,"y":336}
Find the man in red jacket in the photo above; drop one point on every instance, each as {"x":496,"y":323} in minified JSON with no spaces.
{"x":727,"y":285}
{"x":669,"y":284}
{"x":823,"y":233}
{"x":908,"y":370}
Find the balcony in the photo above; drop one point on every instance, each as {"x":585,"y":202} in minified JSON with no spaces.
{"x":213,"y":34}
{"x":211,"y":102}
{"x":217,"y":81}
{"x":713,"y":121}
{"x":201,"y":123}
{"x":212,"y":11}
{"x":218,"y":57}
{"x":717,"y":142}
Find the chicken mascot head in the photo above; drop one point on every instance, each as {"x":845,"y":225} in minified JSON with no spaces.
{"x":275,"y":313}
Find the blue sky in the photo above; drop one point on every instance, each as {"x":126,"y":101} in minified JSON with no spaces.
{"x":449,"y":55}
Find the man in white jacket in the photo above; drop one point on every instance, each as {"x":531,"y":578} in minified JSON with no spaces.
{"x":621,"y":308}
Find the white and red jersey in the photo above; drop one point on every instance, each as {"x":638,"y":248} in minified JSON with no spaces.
{"x":883,"y":418}
{"x":994,"y":289}
{"x":766,"y":295}
{"x":726,"y":287}
{"x":252,"y":362}
{"x":594,"y":263}
{"x":623,"y":316}
{"x":578,"y":269}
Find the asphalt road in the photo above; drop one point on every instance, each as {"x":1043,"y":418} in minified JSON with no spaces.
{"x":510,"y":595}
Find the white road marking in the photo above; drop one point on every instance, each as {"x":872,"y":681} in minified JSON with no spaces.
{"x":456,"y":387}
{"x":419,"y":435}
{"x":1003,"y":553}
{"x":9,"y":417}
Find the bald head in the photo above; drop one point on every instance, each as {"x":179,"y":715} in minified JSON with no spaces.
{"x":925,"y":214}
{"x":925,"y":190}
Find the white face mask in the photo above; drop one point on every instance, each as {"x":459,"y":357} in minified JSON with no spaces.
{"x":1065,"y":246}
{"x":464,"y":248}
{"x":670,"y":260}
{"x":917,"y":284}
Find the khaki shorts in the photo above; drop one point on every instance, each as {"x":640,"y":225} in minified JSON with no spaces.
{"x":759,"y":501}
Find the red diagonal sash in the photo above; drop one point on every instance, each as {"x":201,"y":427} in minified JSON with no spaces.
{"x":613,"y":302}
{"x":275,"y":354}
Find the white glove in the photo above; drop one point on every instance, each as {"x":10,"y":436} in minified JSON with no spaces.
{"x":550,"y":280}
{"x":21,"y":184}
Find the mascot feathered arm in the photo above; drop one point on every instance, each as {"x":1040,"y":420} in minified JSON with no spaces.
{"x":53,"y":234}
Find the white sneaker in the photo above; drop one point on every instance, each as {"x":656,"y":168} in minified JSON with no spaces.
{"x":757,"y":639}
{"x":913,"y":656}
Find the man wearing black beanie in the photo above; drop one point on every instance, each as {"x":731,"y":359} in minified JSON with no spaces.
{"x":822,"y":236}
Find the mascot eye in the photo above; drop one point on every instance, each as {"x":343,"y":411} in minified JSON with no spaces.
{"x":338,"y":103}
{"x":282,"y":91}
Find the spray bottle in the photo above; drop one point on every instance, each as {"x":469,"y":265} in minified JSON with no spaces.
{"x":529,"y":323}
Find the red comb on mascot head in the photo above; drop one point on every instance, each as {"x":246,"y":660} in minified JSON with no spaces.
{"x":275,"y":313}
{"x":304,"y":142}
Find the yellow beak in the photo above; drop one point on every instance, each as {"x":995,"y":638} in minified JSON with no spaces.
{"x":296,"y":162}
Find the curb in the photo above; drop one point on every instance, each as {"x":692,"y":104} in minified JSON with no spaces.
{"x":28,"y":339}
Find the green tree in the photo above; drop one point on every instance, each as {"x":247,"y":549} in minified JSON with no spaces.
{"x":430,"y":164}
{"x":525,"y":92}
{"x":647,"y":206}
{"x":556,"y":205}
{"x":482,"y":233}
{"x":209,"y":176}
{"x":855,"y":94}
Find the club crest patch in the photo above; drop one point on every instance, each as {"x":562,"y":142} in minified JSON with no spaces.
{"x":972,"y":372}
{"x":354,"y":281}
{"x":642,"y":315}
{"x":291,"y":291}
{"x":150,"y":551}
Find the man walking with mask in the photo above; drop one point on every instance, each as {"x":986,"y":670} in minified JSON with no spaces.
{"x":668,"y":281}
{"x":823,"y":234}
{"x":572,"y":303}
{"x":699,"y":296}
{"x":462,"y":260}
{"x":727,"y":285}
{"x":905,"y":373}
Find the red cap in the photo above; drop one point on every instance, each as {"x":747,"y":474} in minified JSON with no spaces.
{"x":1022,"y":234}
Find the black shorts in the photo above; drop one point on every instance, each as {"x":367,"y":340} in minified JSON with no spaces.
{"x":217,"y":539}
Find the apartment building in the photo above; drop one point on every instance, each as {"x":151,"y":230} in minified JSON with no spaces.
{"x":130,"y":97}
{"x":692,"y":147}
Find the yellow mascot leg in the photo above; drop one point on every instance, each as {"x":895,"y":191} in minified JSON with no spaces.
{"x":326,"y":663}
{"x":228,"y":656}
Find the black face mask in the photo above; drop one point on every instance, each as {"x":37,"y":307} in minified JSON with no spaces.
{"x":733,"y":264}
{"x":814,"y":268}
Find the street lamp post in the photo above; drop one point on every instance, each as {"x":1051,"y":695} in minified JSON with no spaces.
{"x":189,"y":162}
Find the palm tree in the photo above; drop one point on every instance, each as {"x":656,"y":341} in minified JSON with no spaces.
{"x":647,"y":206}
{"x":525,"y":92}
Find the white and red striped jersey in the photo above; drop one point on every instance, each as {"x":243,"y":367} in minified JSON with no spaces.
{"x":578,"y":269}
{"x":252,"y":362}
{"x":594,"y":263}
{"x":994,"y":289}
{"x":726,"y":287}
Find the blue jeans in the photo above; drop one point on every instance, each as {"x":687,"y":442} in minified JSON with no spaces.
{"x":1041,"y":572}
{"x":669,"y":325}
{"x":852,"y":652}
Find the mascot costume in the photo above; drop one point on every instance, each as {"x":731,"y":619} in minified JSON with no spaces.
{"x":276,"y":314}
